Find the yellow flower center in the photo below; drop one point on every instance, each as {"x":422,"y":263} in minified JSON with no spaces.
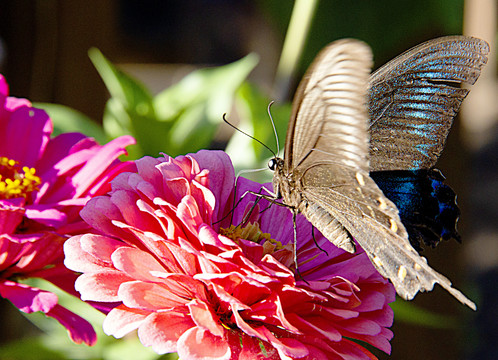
{"x":16,"y":180}
{"x":253,"y":233}
{"x":250,"y":232}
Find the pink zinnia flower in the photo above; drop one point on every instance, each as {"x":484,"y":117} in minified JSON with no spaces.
{"x":44,"y":183}
{"x":191,"y":283}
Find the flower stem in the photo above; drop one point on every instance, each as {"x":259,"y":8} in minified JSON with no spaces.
{"x":299,"y":25}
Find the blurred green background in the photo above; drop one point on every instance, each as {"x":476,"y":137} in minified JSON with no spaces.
{"x":167,"y":71}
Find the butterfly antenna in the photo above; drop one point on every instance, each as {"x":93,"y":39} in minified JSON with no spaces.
{"x":246,"y":134}
{"x":273,"y":124}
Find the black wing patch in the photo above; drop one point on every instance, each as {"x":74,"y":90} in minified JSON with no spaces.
{"x":427,"y":207}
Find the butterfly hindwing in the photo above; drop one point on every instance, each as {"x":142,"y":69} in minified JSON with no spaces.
{"x":380,"y":233}
{"x":372,"y":219}
{"x":427,"y":207}
{"x":412,"y":101}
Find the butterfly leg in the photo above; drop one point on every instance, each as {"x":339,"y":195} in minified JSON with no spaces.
{"x":294,"y":226}
{"x":237,"y":202}
{"x":270,"y":197}
{"x":314,"y":241}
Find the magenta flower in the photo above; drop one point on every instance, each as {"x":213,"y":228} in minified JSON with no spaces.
{"x":44,"y":183}
{"x":191,"y":283}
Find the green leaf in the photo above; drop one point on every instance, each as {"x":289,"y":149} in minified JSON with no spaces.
{"x":29,"y":349}
{"x":130,"y":108}
{"x":211,"y":85}
{"x":130,"y":92}
{"x":66,"y":119}
{"x":117,"y":122}
{"x":182,"y":118}
{"x":194,"y":106}
{"x":120,"y":350}
{"x":409,"y":313}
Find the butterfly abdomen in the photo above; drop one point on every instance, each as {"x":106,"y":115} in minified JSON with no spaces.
{"x":329,"y":226}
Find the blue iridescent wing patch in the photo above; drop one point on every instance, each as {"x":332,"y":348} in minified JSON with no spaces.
{"x":414,"y":98}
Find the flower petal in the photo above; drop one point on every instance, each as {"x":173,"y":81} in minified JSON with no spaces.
{"x":101,"y":286}
{"x":205,"y":318}
{"x":136,"y":263}
{"x":199,"y":344}
{"x":149,"y":296}
{"x":26,"y":298}
{"x":121,"y":320}
{"x":221,"y":177}
{"x":79,"y":330}
{"x":4,"y":87}
{"x":89,"y":253}
{"x":163,"y":330}
{"x":28,"y":132}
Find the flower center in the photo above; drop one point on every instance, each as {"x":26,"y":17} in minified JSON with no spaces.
{"x":16,"y":180}
{"x":252,"y":232}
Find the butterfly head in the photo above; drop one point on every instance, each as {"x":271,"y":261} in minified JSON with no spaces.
{"x":273,"y":163}
{"x":276,"y":165}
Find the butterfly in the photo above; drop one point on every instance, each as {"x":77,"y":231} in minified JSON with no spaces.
{"x":407,"y":107}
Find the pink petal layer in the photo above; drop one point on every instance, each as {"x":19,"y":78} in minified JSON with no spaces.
{"x":4,"y":87}
{"x":205,"y":318}
{"x":136,"y":263}
{"x":101,"y":286}
{"x":150,"y":296}
{"x":29,"y":131}
{"x":121,"y":320}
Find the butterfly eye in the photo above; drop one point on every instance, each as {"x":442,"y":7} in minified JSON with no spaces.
{"x":272,"y":164}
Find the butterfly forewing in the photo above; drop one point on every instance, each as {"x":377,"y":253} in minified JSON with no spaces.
{"x":413,"y":99}
{"x":328,"y":128}
{"x":325,"y":174}
{"x":327,"y":122}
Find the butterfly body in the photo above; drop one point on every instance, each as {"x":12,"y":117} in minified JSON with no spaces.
{"x":325,"y":173}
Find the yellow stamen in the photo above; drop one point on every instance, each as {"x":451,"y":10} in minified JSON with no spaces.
{"x":16,"y":181}
{"x":250,"y":232}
